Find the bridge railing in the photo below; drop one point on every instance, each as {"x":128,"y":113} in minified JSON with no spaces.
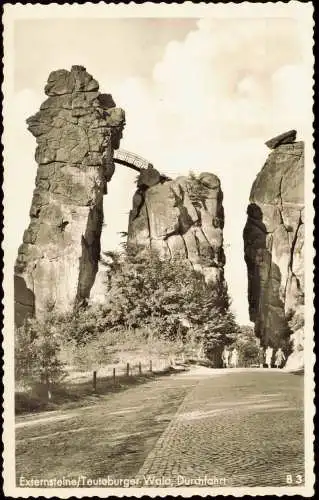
{"x":130,"y":158}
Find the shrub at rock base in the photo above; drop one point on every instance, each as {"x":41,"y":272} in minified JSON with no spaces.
{"x":37,"y":356}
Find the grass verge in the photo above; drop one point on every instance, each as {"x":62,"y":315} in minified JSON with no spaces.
{"x":79,"y":394}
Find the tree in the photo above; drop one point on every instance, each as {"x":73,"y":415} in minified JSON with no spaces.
{"x":149,"y":291}
{"x":166,"y":301}
{"x":198,"y":190}
{"x":248,"y":346}
{"x":164,"y":295}
{"x":37,"y":349}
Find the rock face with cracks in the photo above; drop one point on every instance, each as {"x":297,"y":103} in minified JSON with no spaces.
{"x":273,"y":242}
{"x":76,"y":129}
{"x":180,"y":218}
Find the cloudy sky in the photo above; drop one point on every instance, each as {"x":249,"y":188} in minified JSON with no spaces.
{"x":200,"y":93}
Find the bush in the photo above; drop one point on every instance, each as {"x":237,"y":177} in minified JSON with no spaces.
{"x":100,"y":350}
{"x":37,"y":350}
{"x":154,"y":307}
{"x":247,"y":345}
{"x":198,"y":190}
{"x":122,"y":346}
{"x":159,"y":295}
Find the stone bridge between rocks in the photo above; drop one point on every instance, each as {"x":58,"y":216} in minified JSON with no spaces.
{"x":131,"y":160}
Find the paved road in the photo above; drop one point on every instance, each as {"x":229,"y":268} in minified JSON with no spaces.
{"x":205,"y":427}
{"x":240,"y":429}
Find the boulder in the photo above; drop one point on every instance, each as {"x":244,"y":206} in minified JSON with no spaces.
{"x":285,"y":138}
{"x":180,"y":218}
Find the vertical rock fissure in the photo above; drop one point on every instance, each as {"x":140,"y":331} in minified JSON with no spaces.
{"x":280,"y":194}
{"x":293,"y":243}
{"x":169,"y":249}
{"x":185,"y":247}
{"x":148,"y":225}
{"x":91,"y":250}
{"x":291,"y":257}
{"x":212,"y":250}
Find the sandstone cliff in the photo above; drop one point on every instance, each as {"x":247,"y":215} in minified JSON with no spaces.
{"x":182,"y":217}
{"x":273,"y":242}
{"x":76,"y":129}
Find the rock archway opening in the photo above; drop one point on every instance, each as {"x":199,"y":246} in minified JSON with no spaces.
{"x":78,"y":132}
{"x":131,"y":171}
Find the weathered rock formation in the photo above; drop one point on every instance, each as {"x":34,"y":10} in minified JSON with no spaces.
{"x":273,"y":242}
{"x":180,"y":218}
{"x":76,"y":129}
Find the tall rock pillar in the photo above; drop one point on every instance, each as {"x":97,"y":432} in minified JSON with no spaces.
{"x":273,"y":242}
{"x":181,"y":218}
{"x":76,"y":129}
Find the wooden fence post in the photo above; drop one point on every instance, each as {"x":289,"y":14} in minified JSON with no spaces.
{"x":94,"y":381}
{"x":140,"y":368}
{"x":47,"y":381}
{"x":127,"y":369}
{"x":151,"y":369}
{"x":114,"y":376}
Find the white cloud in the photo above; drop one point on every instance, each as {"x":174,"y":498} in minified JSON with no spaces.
{"x":215,"y":98}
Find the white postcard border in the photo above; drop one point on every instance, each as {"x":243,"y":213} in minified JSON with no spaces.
{"x":188,"y":9}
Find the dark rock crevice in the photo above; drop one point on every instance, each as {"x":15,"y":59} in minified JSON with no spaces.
{"x":185,"y":248}
{"x":170,"y":254}
{"x":293,"y":244}
{"x":91,"y":250}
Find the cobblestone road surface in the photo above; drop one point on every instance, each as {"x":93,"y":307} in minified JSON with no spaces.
{"x":241,"y":428}
{"x":109,"y":438}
